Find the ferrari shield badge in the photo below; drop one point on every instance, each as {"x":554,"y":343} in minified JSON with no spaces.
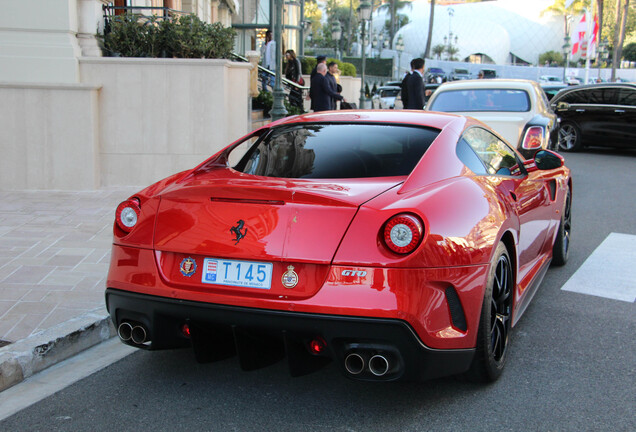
{"x":290,"y":278}
{"x":188,"y":266}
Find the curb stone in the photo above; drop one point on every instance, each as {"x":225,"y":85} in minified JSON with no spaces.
{"x":28,"y":356}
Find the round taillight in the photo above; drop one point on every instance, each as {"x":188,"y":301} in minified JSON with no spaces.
{"x":127,"y":214}
{"x":403,"y":233}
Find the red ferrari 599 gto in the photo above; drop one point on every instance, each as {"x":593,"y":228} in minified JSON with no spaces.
{"x":401,"y":245}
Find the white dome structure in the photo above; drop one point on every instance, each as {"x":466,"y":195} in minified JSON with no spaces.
{"x":505,"y":31}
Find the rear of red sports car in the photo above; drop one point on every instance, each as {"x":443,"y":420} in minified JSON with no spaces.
{"x":346,"y":238}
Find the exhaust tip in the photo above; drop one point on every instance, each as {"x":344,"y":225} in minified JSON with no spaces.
{"x":138,"y":335}
{"x":124,"y":331}
{"x":354,"y":364}
{"x":378,"y":365}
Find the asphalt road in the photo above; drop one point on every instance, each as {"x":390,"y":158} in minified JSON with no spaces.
{"x":572,"y":364}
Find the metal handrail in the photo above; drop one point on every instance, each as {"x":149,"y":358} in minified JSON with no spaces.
{"x":262,"y":69}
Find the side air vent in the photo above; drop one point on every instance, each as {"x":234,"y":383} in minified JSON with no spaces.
{"x":456,"y":310}
{"x":552,"y":189}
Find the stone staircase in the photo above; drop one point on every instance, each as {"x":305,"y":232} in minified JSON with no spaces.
{"x":259,"y":119}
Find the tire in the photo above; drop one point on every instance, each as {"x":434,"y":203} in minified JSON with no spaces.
{"x":561,"y":248}
{"x":569,"y":137}
{"x":493,"y":335}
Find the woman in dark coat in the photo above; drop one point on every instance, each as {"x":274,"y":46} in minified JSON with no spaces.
{"x":293,"y":72}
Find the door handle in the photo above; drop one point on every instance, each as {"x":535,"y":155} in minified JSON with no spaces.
{"x":580,"y":110}
{"x":620,"y":111}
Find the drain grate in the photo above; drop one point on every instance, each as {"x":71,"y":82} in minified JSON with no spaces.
{"x":3,"y":343}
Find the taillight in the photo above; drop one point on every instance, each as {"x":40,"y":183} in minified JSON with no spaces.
{"x":403,"y":233}
{"x":533,"y":139}
{"x":127,"y":214}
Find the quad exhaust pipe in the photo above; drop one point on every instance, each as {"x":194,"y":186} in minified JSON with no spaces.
{"x":356,"y":363}
{"x":137,"y":334}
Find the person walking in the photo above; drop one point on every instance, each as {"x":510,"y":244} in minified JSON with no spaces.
{"x":415,"y":86}
{"x":320,"y":59}
{"x":293,"y":72}
{"x":269,"y":60}
{"x":321,"y":92}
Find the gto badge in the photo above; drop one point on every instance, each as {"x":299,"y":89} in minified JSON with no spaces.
{"x":188,"y":266}
{"x":359,"y":273}
{"x":237,"y":231}
{"x":290,"y":278}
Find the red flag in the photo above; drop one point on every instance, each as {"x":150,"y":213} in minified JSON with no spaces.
{"x":579,"y":35}
{"x":591,"y":48}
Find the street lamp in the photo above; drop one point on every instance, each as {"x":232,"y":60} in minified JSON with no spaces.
{"x":364,"y":12}
{"x":566,"y":55}
{"x":399,"y":47}
{"x":336,"y":34}
{"x":278,"y":107}
{"x":374,"y":44}
{"x":381,"y":41}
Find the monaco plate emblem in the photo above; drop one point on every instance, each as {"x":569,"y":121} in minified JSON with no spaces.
{"x":290,"y":278}
{"x":188,"y":267}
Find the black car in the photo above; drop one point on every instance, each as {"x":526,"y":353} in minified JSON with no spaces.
{"x":596,"y":114}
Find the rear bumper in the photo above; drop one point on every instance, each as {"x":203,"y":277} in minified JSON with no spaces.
{"x":250,"y":328}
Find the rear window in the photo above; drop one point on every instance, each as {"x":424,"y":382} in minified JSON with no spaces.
{"x":389,"y":92}
{"x":481,"y":100}
{"x":337,"y":151}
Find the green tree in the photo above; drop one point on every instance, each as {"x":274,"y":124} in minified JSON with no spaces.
{"x":551,"y":56}
{"x":629,"y":52}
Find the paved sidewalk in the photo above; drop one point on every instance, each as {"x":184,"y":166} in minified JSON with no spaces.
{"x":54,"y":257}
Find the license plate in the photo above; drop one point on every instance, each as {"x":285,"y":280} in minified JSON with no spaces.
{"x":237,"y":273}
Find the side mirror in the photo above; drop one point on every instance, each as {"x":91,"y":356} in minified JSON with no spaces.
{"x":547,"y":160}
{"x":561,"y":106}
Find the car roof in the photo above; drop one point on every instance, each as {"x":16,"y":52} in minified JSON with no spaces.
{"x":584,"y":87}
{"x":488,"y":84}
{"x":403,"y":117}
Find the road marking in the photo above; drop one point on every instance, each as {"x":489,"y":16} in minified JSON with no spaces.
{"x":610,"y":271}
{"x":61,"y":375}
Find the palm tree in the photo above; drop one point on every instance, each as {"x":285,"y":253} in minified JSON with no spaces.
{"x":427,"y":52}
{"x":619,"y":34}
{"x":392,"y":7}
{"x":438,"y":50}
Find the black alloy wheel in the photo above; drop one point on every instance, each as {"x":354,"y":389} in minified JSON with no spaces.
{"x":493,"y":336}
{"x":561,"y":248}
{"x":569,"y":137}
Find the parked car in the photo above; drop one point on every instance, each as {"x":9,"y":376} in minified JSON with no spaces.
{"x":459,"y":74}
{"x":596,"y":114}
{"x":385,"y":97}
{"x":386,"y":241}
{"x":572,"y":81}
{"x":550,"y":79}
{"x":551,"y":89}
{"x":517,"y":109}
{"x":488,"y":73}
{"x":435,"y":76}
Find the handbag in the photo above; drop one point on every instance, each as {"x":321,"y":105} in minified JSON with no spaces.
{"x":301,"y":80}
{"x":348,"y":105}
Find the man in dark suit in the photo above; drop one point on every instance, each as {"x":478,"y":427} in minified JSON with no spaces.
{"x":321,"y":93}
{"x":415,"y":86}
